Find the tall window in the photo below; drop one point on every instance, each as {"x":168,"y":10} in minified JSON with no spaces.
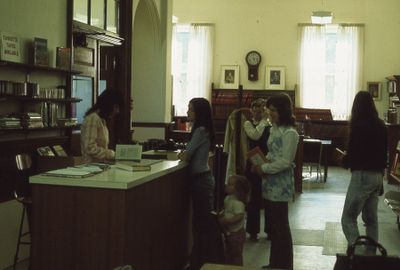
{"x":192,"y":54}
{"x":330,"y":67}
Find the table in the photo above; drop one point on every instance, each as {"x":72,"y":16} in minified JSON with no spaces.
{"x":111,"y":219}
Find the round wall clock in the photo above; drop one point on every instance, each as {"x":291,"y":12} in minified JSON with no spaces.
{"x":253,"y":60}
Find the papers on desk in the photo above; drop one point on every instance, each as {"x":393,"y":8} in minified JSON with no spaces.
{"x":70,"y":172}
{"x":80,"y":171}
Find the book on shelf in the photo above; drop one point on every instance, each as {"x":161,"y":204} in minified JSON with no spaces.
{"x":40,"y":53}
{"x":63,"y":57}
{"x":256,"y":156}
{"x":59,"y":150}
{"x":9,"y":47}
{"x":45,"y":151}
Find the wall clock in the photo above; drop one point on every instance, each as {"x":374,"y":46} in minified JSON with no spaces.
{"x":253,"y":60}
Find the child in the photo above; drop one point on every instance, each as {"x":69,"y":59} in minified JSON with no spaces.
{"x":233,"y":218}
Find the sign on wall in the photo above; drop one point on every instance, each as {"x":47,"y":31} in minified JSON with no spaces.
{"x":9,"y":47}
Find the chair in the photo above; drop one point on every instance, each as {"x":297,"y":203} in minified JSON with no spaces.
{"x":313,"y":156}
{"x":22,"y":194}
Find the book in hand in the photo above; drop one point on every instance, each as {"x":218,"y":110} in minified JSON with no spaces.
{"x":131,"y":167}
{"x":256,"y":156}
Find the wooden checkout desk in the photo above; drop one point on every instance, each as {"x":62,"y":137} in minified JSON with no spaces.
{"x":111,"y":219}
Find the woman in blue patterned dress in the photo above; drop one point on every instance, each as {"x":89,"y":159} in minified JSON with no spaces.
{"x":278,"y":179}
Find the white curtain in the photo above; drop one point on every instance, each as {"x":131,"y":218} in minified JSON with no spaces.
{"x":346,"y":70}
{"x":312,"y":66}
{"x":198,"y":69}
{"x":348,"y":75}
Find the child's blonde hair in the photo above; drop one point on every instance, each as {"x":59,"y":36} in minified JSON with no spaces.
{"x":242,"y":188}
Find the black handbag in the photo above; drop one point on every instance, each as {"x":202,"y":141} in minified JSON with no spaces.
{"x":365,"y":262}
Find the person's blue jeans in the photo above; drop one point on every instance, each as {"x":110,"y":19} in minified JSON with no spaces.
{"x":362,"y":196}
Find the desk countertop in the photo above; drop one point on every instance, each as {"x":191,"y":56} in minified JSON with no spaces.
{"x":113,"y":178}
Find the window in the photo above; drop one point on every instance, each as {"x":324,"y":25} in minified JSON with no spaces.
{"x":330,"y":67}
{"x":82,"y":88}
{"x":191,"y":64}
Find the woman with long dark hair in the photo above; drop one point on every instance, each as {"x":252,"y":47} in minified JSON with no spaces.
{"x":278,"y":179}
{"x":94,"y":131}
{"x":366,"y":158}
{"x":201,"y":182}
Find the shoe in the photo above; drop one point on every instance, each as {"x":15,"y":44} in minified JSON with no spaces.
{"x":266,"y":267}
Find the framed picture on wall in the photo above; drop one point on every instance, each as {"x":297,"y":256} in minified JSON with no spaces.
{"x":229,"y":77}
{"x":274,"y":78}
{"x":374,"y":88}
{"x":84,"y":56}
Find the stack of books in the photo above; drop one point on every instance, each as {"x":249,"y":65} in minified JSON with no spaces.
{"x":31,"y":120}
{"x":10,"y":122}
{"x":67,"y":122}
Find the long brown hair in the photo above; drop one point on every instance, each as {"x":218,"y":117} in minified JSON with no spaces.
{"x":203,"y":112}
{"x":283,"y":105}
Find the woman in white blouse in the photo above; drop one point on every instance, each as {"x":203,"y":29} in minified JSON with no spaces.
{"x":94,"y":131}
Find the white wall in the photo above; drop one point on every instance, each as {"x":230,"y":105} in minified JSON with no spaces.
{"x":28,"y":19}
{"x":270,"y":27}
{"x":151,"y":66}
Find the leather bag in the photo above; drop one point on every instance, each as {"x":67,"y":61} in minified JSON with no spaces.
{"x":352,"y":261}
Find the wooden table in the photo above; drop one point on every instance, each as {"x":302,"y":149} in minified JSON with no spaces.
{"x":111,"y":219}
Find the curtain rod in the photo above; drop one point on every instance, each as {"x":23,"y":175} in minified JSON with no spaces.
{"x":341,"y":24}
{"x":200,"y":24}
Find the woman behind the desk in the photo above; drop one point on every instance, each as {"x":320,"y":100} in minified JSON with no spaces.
{"x":94,"y":132}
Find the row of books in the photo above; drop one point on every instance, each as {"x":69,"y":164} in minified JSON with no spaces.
{"x":10,"y":122}
{"x":32,"y":120}
{"x":11,"y":88}
{"x":231,"y":98}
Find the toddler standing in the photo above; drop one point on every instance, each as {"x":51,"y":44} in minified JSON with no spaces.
{"x":233,"y":218}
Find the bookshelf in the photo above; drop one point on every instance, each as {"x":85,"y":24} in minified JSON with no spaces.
{"x":225,"y":101}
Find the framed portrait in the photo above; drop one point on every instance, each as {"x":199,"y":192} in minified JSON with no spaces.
{"x":274,"y":78}
{"x":84,"y":56}
{"x":374,"y":88}
{"x":229,"y":77}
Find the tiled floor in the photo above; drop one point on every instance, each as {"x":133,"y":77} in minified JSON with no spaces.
{"x":320,"y":205}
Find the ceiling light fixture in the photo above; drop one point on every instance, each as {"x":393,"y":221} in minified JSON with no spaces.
{"x":321,"y":17}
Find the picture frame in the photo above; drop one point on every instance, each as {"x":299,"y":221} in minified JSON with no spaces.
{"x":374,"y":88}
{"x":229,"y":77}
{"x":84,"y":56}
{"x":275,"y":78}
